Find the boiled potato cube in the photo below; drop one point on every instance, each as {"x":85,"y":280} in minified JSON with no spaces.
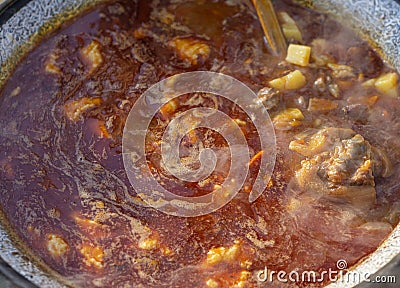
{"x":387,"y":84}
{"x":289,"y":27}
{"x":369,"y":83}
{"x":293,"y":80}
{"x":298,"y":54}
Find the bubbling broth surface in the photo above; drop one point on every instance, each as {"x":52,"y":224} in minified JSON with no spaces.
{"x":334,"y":191}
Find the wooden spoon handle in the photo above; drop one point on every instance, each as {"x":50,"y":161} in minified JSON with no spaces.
{"x":272,"y":30}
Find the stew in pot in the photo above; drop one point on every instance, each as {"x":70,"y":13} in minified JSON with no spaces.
{"x":334,"y":192}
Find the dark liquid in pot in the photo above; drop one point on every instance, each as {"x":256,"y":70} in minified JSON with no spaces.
{"x":63,"y":185}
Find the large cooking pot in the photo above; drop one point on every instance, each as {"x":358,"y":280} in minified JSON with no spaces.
{"x":377,"y":20}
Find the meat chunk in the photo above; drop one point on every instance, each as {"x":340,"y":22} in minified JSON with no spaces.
{"x":321,"y":105}
{"x":92,"y":56}
{"x":56,"y":245}
{"x":238,"y":254}
{"x":358,"y":113}
{"x":341,"y":71}
{"x":235,"y":280}
{"x":341,"y":166}
{"x":51,"y":64}
{"x":222,"y":254}
{"x":148,"y":244}
{"x":270,"y":97}
{"x":321,"y":141}
{"x":190,"y":49}
{"x":322,"y":52}
{"x":364,"y":60}
{"x":350,"y":163}
{"x":288,"y":119}
{"x":74,"y":109}
{"x":93,"y":255}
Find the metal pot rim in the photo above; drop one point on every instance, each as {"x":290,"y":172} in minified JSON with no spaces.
{"x":371,"y":19}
